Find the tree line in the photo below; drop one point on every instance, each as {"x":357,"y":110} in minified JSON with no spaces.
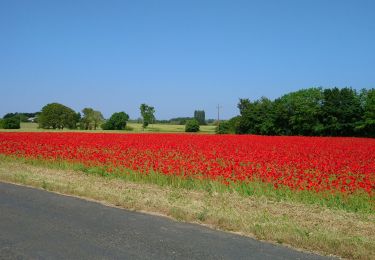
{"x":13,"y":120}
{"x":307,"y":112}
{"x":59,"y":116}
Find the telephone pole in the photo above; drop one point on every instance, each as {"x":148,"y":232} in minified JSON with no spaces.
{"x":218,"y":114}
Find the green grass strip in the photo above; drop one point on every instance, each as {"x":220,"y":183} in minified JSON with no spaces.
{"x":360,"y":202}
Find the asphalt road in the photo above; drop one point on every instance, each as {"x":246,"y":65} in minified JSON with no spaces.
{"x":36,"y":224}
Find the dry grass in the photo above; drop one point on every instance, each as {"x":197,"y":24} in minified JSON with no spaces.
{"x":308,"y":227}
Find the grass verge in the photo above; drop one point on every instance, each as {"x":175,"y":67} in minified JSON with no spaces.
{"x":309,"y":227}
{"x":357,"y":202}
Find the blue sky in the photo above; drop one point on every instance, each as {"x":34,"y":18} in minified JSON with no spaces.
{"x":179,"y":55}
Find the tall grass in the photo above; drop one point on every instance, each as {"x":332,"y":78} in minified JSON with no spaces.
{"x":357,"y":202}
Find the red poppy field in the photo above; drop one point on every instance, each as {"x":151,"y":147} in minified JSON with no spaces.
{"x":337,"y":165}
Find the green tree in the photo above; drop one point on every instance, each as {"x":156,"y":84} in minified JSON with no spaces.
{"x":179,"y":120}
{"x":147,"y":113}
{"x":11,"y":123}
{"x":299,"y":113}
{"x":98,"y":119}
{"x":91,"y":119}
{"x":200,"y":116}
{"x":341,"y":112}
{"x":57,"y":116}
{"x":312,"y":111}
{"x":192,"y":126}
{"x":116,"y":122}
{"x":229,"y":126}
{"x":256,"y":117}
{"x":366,"y":126}
{"x":86,"y":118}
{"x":23,"y":117}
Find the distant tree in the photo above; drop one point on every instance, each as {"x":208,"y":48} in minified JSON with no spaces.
{"x":200,"y":116}
{"x":9,"y":115}
{"x":210,"y":121}
{"x":23,"y":117}
{"x":162,"y":121}
{"x":192,"y":126}
{"x":228,"y":126}
{"x":223,"y":128}
{"x":1,"y":123}
{"x":299,"y":113}
{"x":312,"y":111}
{"x":78,"y":118}
{"x":97,"y":119}
{"x":57,"y":116}
{"x":179,"y":120}
{"x":147,"y":113}
{"x":116,"y":122}
{"x":245,"y":123}
{"x":366,"y":126}
{"x":11,"y":123}
{"x":256,"y":117}
{"x":91,"y":119}
{"x":86,"y":118}
{"x":341,"y":111}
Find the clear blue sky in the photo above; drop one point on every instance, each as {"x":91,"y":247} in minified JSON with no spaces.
{"x":179,"y":55}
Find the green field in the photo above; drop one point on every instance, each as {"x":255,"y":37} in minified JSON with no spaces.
{"x":131,"y":128}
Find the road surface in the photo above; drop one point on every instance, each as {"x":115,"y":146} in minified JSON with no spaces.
{"x":36,"y":224}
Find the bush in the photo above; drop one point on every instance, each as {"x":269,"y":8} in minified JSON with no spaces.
{"x":1,"y":123}
{"x":11,"y":123}
{"x":116,"y":122}
{"x":223,"y":128}
{"x":192,"y":126}
{"x":228,"y":127}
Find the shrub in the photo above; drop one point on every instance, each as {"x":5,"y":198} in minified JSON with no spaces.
{"x":192,"y":126}
{"x":223,"y":128}
{"x":116,"y":122}
{"x":11,"y":123}
{"x":228,"y":127}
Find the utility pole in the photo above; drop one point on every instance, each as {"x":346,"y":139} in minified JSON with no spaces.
{"x":218,"y":114}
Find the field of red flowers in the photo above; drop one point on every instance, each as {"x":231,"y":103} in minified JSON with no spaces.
{"x":341,"y":165}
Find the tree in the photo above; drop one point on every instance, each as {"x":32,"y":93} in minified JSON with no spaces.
{"x":11,"y":123}
{"x":299,"y":113}
{"x":256,"y":117}
{"x":97,"y":119}
{"x":86,"y":118}
{"x":312,"y":111}
{"x":58,"y":116}
{"x":91,"y":119}
{"x":341,"y":111}
{"x":116,"y":122}
{"x":366,"y":126}
{"x":23,"y":117}
{"x":200,"y":116}
{"x":228,"y":127}
{"x":179,"y":120}
{"x":147,"y":113}
{"x":192,"y":126}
